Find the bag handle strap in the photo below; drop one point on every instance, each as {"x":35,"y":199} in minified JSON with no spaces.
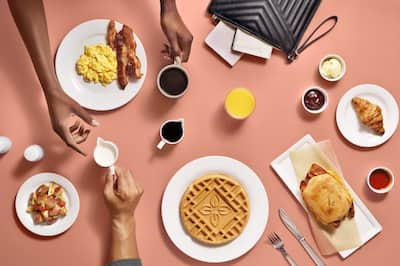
{"x":292,"y":56}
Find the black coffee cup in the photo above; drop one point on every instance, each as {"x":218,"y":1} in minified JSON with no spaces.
{"x":173,"y":80}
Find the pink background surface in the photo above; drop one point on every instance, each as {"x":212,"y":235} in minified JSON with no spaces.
{"x":367,"y":36}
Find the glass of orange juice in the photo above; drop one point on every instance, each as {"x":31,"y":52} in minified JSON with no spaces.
{"x":240,"y":103}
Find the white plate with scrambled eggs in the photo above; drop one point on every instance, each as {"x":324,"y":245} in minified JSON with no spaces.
{"x":84,"y":49}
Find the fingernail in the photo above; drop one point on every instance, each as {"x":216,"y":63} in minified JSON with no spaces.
{"x":95,"y":123}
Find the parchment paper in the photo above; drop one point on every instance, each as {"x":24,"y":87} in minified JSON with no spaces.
{"x":346,"y":236}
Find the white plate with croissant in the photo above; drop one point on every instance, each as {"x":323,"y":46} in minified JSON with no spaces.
{"x":367,"y":115}
{"x":92,"y":95}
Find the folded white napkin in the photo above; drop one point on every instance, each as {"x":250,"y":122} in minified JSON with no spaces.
{"x":248,"y":44}
{"x":220,"y":40}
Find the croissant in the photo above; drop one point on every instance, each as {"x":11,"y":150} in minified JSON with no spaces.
{"x":370,"y":114}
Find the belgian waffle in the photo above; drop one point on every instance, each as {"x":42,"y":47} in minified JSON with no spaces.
{"x":214,"y":209}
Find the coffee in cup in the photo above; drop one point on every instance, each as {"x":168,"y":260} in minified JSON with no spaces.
{"x":173,"y":80}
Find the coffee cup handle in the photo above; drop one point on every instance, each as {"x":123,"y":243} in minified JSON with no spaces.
{"x":177,"y":60}
{"x":161,"y":144}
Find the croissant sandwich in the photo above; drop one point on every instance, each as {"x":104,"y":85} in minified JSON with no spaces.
{"x":326,"y":197}
{"x":370,"y":114}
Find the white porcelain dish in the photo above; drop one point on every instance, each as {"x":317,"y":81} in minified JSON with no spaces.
{"x":90,"y":95}
{"x":71,"y":199}
{"x":342,"y":63}
{"x":258,"y":208}
{"x":383,"y":190}
{"x":351,"y":127}
{"x":324,"y":106}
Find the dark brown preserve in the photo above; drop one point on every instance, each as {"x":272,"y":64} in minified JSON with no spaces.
{"x":173,"y":81}
{"x":314,"y":99}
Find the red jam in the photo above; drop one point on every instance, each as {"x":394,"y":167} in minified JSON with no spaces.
{"x":379,"y":179}
{"x":314,"y":99}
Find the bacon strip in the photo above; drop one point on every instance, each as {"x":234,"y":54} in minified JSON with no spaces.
{"x":134,"y":64}
{"x":128,"y":64}
{"x":315,"y":170}
{"x":138,"y":65}
{"x":111,"y":34}
{"x":122,"y":61}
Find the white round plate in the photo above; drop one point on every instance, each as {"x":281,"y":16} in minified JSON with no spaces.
{"x":351,"y":127}
{"x":87,"y":94}
{"x":258,"y":208}
{"x":71,"y":202}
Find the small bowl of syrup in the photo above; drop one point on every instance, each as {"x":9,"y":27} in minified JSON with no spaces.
{"x":380,"y":180}
{"x":314,"y":100}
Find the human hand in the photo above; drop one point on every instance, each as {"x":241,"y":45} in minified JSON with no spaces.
{"x":123,"y":196}
{"x":179,"y":37}
{"x":61,"y":108}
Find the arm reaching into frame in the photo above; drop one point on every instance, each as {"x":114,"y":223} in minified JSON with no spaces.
{"x":179,"y":37}
{"x":30,"y":18}
{"x":122,"y":197}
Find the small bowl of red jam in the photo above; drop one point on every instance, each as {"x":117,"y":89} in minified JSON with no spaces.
{"x":380,"y":180}
{"x":314,"y":100}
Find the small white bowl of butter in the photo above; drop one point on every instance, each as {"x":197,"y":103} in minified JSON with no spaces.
{"x":332,"y":67}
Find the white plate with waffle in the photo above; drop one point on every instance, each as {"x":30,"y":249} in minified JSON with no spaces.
{"x":252,"y":231}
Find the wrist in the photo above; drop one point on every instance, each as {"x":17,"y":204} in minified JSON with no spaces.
{"x":123,"y":225}
{"x":52,"y":90}
{"x":123,"y":238}
{"x":167,"y":5}
{"x":49,"y":83}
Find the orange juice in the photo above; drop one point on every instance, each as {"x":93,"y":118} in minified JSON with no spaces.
{"x":240,"y":103}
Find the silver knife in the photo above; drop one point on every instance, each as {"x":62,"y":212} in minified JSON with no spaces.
{"x":299,"y":236}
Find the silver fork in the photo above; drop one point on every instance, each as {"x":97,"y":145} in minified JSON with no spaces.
{"x":277,"y":243}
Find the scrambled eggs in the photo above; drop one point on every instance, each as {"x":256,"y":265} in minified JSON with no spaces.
{"x":98,"y":63}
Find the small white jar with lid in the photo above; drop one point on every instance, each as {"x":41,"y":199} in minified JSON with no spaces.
{"x":5,"y":144}
{"x":34,"y":153}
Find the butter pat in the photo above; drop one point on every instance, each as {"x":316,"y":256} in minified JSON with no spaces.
{"x":331,"y":68}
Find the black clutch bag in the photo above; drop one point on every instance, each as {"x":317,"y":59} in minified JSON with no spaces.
{"x":280,"y":23}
